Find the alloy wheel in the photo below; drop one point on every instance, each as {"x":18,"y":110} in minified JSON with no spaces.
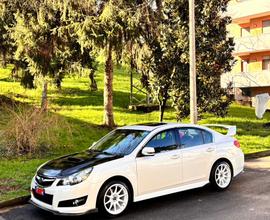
{"x":223,"y":175}
{"x":116,"y":199}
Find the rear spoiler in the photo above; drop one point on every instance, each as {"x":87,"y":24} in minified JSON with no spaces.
{"x":231,"y":128}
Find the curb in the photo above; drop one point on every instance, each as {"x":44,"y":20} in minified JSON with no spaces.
{"x":15,"y":202}
{"x":24,"y":199}
{"x":257,"y":155}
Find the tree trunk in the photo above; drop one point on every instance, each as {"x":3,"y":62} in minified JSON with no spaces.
{"x":159,"y":7}
{"x":58,"y":82}
{"x":93,"y":83}
{"x":108,"y":90}
{"x":44,"y":98}
{"x":162,"y":107}
{"x":4,"y":59}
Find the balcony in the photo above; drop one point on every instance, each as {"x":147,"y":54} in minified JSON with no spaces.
{"x":246,"y":80}
{"x":251,"y":44}
{"x":244,"y":10}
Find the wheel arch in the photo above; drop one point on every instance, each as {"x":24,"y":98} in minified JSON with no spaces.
{"x":222,"y":159}
{"x":117,"y":178}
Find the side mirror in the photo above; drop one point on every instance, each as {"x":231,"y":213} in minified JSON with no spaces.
{"x":148,"y":151}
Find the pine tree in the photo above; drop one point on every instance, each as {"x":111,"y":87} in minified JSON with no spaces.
{"x":109,"y":29}
{"x":39,"y":38}
{"x":7,"y":9}
{"x":80,"y":55}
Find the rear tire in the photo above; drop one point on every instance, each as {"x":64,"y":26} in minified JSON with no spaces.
{"x":114,"y":199}
{"x":221,"y":176}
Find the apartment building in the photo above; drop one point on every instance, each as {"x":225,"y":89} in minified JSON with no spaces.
{"x":250,"y":29}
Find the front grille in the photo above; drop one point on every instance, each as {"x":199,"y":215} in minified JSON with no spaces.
{"x":44,"y":181}
{"x":46,"y":198}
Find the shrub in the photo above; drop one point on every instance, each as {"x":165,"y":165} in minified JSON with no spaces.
{"x":29,"y":131}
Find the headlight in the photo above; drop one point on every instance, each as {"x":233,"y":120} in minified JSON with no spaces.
{"x":76,"y":177}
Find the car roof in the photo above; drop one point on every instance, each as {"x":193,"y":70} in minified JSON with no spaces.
{"x":155,"y":125}
{"x":145,"y":126}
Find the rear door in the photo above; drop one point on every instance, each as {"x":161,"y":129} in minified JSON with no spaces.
{"x":198,"y":152}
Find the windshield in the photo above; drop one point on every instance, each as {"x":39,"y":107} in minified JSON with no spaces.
{"x":120,"y":142}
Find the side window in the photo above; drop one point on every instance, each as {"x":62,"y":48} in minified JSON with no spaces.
{"x":190,"y":137}
{"x":163,"y":141}
{"x":266,"y":27}
{"x":207,"y":137}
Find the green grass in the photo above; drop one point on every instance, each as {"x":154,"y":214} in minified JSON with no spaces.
{"x":83,"y":110}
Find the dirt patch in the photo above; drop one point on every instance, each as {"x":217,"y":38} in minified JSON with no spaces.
{"x":8,"y":185}
{"x":6,"y":101}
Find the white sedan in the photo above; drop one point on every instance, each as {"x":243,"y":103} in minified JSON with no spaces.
{"x":134,"y":163}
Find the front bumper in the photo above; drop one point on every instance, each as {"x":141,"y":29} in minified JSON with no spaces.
{"x":59,"y":194}
{"x":61,"y":213}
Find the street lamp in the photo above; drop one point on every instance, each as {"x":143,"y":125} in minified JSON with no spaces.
{"x":192,"y":64}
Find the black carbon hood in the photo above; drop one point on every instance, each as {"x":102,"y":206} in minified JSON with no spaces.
{"x":70,"y":164}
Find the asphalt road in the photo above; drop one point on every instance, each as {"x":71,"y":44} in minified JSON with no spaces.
{"x":248,"y":198}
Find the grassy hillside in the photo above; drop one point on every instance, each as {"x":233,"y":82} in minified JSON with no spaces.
{"x":83,"y":110}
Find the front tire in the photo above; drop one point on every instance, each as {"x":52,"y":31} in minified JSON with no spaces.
{"x":114,"y":199}
{"x":221,"y":176}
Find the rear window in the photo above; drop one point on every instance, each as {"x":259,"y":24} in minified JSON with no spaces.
{"x":190,"y":137}
{"x":207,"y":137}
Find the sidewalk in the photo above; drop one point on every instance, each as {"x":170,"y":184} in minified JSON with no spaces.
{"x":259,"y":163}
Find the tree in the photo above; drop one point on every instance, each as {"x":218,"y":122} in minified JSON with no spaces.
{"x":158,"y":71}
{"x":108,"y":29}
{"x":214,"y":54}
{"x":7,"y":9}
{"x":7,"y":46}
{"x":156,"y":64}
{"x":80,"y":54}
{"x":40,"y":42}
{"x":3,"y":41}
{"x":84,"y":58}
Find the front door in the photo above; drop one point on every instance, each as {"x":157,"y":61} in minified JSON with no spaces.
{"x":163,"y":170}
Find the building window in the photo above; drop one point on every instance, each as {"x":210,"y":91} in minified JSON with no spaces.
{"x":266,"y":27}
{"x":245,"y":32}
{"x":246,"y":92}
{"x":266,"y":63}
{"x":244,"y":66}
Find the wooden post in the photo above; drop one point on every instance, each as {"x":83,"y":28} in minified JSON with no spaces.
{"x":131,"y":85}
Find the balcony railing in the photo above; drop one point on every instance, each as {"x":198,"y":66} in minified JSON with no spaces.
{"x":243,"y":10}
{"x":252,"y":44}
{"x":245,"y":80}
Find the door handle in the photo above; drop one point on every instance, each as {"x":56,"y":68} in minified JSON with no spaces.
{"x":175,"y":156}
{"x":210,"y":149}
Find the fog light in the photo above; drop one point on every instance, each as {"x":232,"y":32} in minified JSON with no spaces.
{"x":78,"y":201}
{"x":73,"y":202}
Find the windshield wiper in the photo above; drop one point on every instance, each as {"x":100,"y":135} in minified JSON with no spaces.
{"x":95,"y":150}
{"x":114,"y":154}
{"x":105,"y":152}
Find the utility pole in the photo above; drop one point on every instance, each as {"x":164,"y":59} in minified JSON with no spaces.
{"x":192,"y":64}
